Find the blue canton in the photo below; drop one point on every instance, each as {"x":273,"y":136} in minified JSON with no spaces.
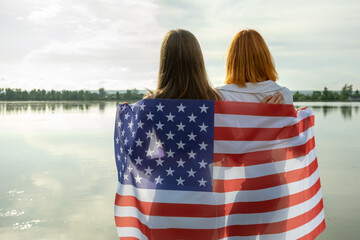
{"x":165,"y":144}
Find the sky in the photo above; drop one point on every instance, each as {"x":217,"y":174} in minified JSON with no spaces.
{"x":115,"y":44}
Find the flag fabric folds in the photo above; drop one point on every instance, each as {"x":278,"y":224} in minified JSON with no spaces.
{"x":198,"y":169}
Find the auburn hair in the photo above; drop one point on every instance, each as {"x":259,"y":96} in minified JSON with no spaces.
{"x":182,"y":73}
{"x":249,"y":59}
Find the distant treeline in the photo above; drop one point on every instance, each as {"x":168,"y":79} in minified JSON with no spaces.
{"x":9,"y":94}
{"x":346,"y":94}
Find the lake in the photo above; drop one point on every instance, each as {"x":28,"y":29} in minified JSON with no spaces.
{"x":58,"y":176}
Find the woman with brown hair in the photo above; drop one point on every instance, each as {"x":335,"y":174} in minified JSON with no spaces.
{"x":250,"y":71}
{"x":182,"y":73}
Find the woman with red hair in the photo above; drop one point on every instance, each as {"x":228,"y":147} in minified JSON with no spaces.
{"x":250,"y":71}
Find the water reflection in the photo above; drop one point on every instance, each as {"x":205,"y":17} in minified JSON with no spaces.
{"x":345,"y":110}
{"x":52,"y":107}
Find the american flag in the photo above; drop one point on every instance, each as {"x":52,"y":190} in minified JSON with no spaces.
{"x":197,"y":169}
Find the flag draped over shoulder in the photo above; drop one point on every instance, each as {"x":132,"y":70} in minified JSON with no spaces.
{"x":197,"y":169}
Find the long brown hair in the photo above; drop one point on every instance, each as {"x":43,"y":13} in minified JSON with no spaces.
{"x":249,"y":59}
{"x":182,"y":73}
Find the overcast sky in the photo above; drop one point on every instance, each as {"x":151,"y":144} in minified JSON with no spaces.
{"x":115,"y":44}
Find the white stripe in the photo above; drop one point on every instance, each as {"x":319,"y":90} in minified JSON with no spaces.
{"x":130,"y":232}
{"x":292,"y":234}
{"x":227,"y":173}
{"x":193,"y":197}
{"x":237,"y":147}
{"x":250,"y":121}
{"x":161,"y":222}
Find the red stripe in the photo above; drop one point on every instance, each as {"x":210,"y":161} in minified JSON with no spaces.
{"x":261,"y":157}
{"x":228,"y":231}
{"x":262,"y":134}
{"x":273,"y":228}
{"x":204,"y":210}
{"x":314,"y":233}
{"x":273,"y":180}
{"x":256,"y":109}
{"x":128,"y":238}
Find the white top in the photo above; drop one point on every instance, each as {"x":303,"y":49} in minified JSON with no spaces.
{"x":254,"y":92}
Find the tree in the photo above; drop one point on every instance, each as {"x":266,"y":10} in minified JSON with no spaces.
{"x":102,"y":93}
{"x":315,"y":95}
{"x":356,"y":94}
{"x":2,"y":94}
{"x":325,"y":95}
{"x":346,"y":92}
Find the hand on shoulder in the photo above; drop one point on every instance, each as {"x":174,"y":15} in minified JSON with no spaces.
{"x":149,"y":95}
{"x":277,"y":98}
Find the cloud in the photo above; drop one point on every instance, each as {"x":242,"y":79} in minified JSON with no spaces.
{"x":307,"y":37}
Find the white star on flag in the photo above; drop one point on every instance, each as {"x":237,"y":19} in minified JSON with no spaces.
{"x":203,"y":145}
{"x":159,"y":180}
{"x":159,"y":144}
{"x":159,"y":107}
{"x":202,"y":182}
{"x":202,"y":164}
{"x":203,"y":127}
{"x":192,"y":136}
{"x":180,"y":162}
{"x":139,"y":143}
{"x":169,"y":172}
{"x":203,"y":108}
{"x":192,"y":154}
{"x":140,"y":124}
{"x":150,"y":116}
{"x":138,"y":160}
{"x":181,"y":108}
{"x":180,"y":181}
{"x":130,"y":151}
{"x":148,"y":170}
{"x":159,"y":162}
{"x":192,"y":117}
{"x":149,"y":152}
{"x":149,"y":134}
{"x":180,"y":145}
{"x":170,"y":117}
{"x":170,"y":135}
{"x":191,"y":173}
{"x":138,"y":178}
{"x":142,"y":106}
{"x":170,"y":153}
{"x":159,"y":125}
{"x":180,"y":127}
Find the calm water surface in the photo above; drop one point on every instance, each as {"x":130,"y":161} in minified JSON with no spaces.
{"x":58,"y":176}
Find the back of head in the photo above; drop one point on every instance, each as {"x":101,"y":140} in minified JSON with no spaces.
{"x":249,"y":59}
{"x":182,"y":73}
